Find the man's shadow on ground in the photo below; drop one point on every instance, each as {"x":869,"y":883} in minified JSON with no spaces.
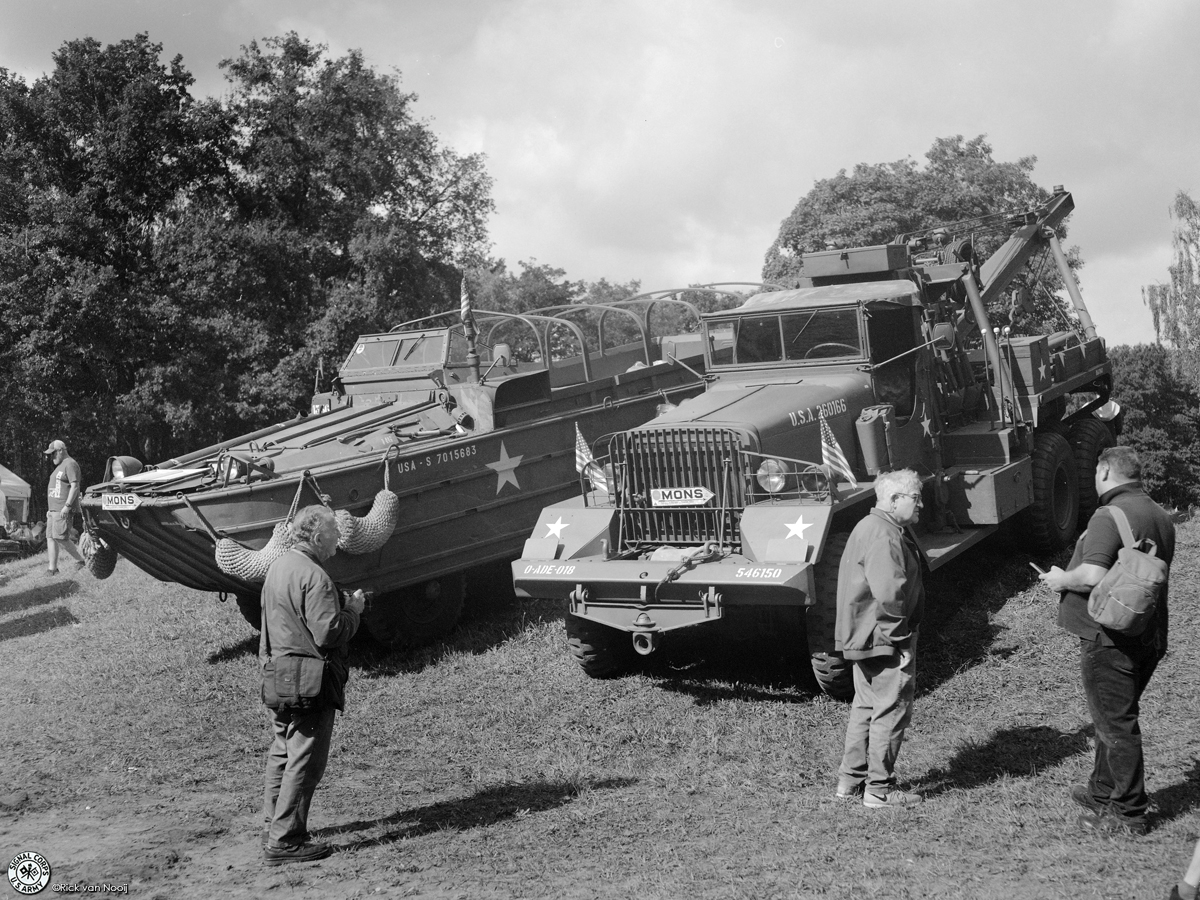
{"x":1178,"y":799}
{"x":1018,"y":752}
{"x":483,"y":808}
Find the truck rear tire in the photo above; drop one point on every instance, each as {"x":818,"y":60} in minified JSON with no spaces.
{"x":416,"y":614}
{"x":1050,"y":522}
{"x":601,"y":652}
{"x":833,"y":673}
{"x":1088,"y":438}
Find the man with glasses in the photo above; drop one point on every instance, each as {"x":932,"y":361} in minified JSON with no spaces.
{"x":879,"y":607}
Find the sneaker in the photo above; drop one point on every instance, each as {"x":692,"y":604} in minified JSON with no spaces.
{"x":306,"y":852}
{"x":1082,"y":795}
{"x":893,"y":799}
{"x":1110,"y":824}
{"x":849,"y":790}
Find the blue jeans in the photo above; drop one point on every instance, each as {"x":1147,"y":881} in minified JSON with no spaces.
{"x":879,"y":716}
{"x":1113,"y":680}
{"x":295,"y":764}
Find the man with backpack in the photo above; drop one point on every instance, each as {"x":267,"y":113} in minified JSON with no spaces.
{"x":1105,"y":581}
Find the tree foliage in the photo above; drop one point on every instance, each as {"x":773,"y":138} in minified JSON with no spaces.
{"x":876,"y":203}
{"x":172,"y":270}
{"x":1162,"y":420}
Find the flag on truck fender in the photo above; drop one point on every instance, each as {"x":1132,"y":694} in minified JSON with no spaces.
{"x":585,"y":463}
{"x":831,"y":452}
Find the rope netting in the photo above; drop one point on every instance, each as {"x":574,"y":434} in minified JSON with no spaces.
{"x":359,"y":535}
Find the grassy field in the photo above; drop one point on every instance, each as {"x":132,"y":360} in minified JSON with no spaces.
{"x":488,"y":766}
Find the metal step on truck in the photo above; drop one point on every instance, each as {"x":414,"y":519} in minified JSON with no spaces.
{"x":884,"y":358}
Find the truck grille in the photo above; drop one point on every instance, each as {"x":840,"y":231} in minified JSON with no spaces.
{"x":678,"y":458}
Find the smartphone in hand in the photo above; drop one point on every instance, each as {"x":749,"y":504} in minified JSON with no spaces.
{"x":1037,"y":568}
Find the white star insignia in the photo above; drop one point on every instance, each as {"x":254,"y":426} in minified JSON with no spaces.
{"x":796,"y":529}
{"x":506,"y":469}
{"x":925,"y":423}
{"x":1042,"y":370}
{"x":556,"y":528}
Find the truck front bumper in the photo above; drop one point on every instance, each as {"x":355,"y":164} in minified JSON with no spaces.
{"x":641,"y":595}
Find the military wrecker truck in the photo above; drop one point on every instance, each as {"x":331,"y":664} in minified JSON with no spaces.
{"x":885,"y":358}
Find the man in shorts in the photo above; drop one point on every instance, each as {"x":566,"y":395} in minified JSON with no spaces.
{"x":62,"y":504}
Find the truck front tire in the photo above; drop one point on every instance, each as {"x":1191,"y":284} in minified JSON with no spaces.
{"x":601,"y":652}
{"x":834,"y":674}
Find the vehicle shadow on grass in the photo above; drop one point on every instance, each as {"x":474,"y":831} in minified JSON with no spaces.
{"x":489,"y":806}
{"x":37,"y":596}
{"x":46,"y":620}
{"x":961,"y":600}
{"x":481,"y":629}
{"x":1017,"y":752}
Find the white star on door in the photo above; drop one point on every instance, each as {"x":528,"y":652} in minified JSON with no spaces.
{"x":796,"y":529}
{"x":556,"y":528}
{"x":506,"y":469}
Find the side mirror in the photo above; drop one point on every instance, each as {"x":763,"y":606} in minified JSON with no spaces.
{"x":502,"y":354}
{"x":944,"y":336}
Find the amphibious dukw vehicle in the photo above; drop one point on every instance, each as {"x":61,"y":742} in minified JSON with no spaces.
{"x":883,"y":358}
{"x":438,"y":445}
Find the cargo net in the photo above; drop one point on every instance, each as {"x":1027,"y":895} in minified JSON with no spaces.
{"x":100,"y":559}
{"x":359,"y":535}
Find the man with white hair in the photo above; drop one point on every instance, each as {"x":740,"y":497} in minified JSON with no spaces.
{"x":303,"y":615}
{"x":62,"y":505}
{"x":880,"y":602}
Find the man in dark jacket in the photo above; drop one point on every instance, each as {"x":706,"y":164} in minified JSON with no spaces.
{"x":1116,"y":668}
{"x":880,"y":603}
{"x":303,"y":616}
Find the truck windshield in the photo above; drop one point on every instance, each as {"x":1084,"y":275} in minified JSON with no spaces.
{"x":811,"y":334}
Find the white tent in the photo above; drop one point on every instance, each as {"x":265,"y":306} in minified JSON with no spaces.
{"x":15,"y":490}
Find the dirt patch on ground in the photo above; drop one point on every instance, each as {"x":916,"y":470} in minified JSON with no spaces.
{"x":175,"y":848}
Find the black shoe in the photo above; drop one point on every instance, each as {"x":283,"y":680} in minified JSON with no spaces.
{"x":307,"y":852}
{"x":1107,"y":823}
{"x":1082,"y":795}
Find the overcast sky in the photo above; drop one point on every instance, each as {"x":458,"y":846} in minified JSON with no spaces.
{"x":665,"y":140}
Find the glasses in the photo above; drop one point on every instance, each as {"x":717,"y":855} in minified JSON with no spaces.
{"x":916,"y":498}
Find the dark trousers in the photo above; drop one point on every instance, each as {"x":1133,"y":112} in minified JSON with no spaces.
{"x":1113,"y":680}
{"x":295,"y":764}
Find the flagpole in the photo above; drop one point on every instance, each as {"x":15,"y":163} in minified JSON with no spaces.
{"x":468,"y":320}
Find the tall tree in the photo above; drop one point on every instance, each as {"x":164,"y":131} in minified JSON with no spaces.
{"x":1175,"y":305}
{"x":97,"y":158}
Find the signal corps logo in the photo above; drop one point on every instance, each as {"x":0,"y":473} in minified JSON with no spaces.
{"x":28,"y":873}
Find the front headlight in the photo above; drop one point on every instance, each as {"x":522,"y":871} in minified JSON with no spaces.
{"x":772,"y":476}
{"x":120,"y":467}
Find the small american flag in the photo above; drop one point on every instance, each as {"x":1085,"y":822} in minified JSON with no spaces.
{"x":585,"y":463}
{"x":468,"y":317}
{"x":831,"y":452}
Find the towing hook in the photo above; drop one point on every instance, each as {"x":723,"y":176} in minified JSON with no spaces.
{"x":646,"y":642}
{"x":645,"y":635}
